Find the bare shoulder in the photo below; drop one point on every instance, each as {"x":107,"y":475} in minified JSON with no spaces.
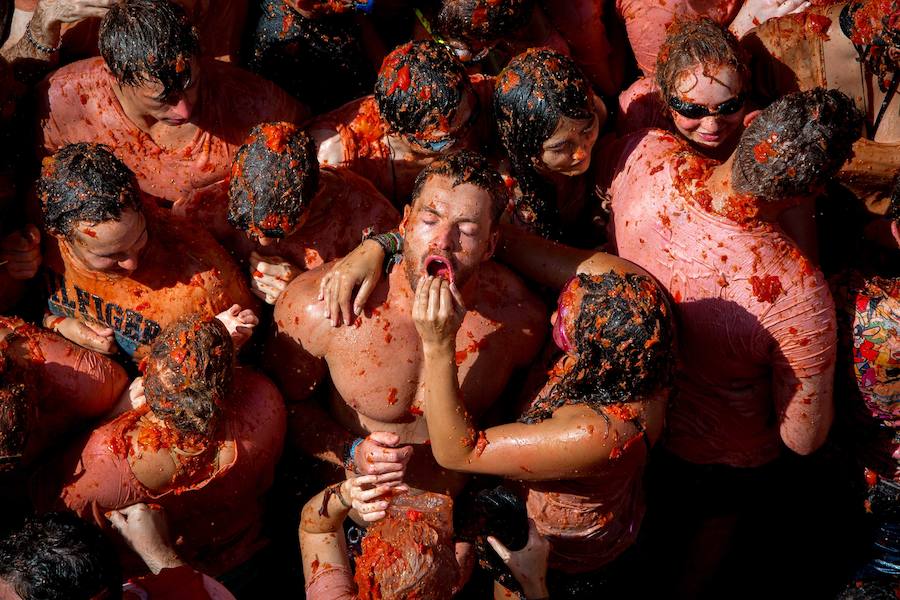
{"x":504,"y":297}
{"x":153,"y":469}
{"x":300,"y":315}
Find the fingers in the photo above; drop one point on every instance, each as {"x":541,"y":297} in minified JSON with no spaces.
{"x":501,"y":550}
{"x":234,"y":309}
{"x":362,"y":296}
{"x":457,"y":297}
{"x":248,"y":317}
{"x":100,"y":330}
{"x":117,"y":519}
{"x":434,"y":298}
{"x":385,"y":438}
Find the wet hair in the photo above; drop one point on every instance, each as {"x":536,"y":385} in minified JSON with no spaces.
{"x":274,"y":178}
{"x":799,"y":142}
{"x":625,"y":345}
{"x":319,"y":60}
{"x":17,"y":410}
{"x":871,"y":589}
{"x":85,"y":182}
{"x":893,"y":211}
{"x":189,"y":372}
{"x":874,"y":28}
{"x":58,"y":555}
{"x":407,"y":555}
{"x":697,"y":41}
{"x":482,"y":21}
{"x":535,"y":90}
{"x":467,"y":167}
{"x":420,"y":87}
{"x":149,"y":41}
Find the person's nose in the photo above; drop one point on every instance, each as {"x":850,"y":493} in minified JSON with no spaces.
{"x":444,"y":238}
{"x":183,"y":108}
{"x":266,"y":241}
{"x":130,"y":263}
{"x":712,"y":124}
{"x":580,"y":154}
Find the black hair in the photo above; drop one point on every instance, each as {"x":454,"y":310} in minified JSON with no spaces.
{"x":85,"y":182}
{"x":145,"y":41}
{"x":58,"y":555}
{"x":482,"y":20}
{"x":420,"y":87}
{"x":189,"y":372}
{"x":796,"y":144}
{"x":874,"y":29}
{"x":274,"y":178}
{"x":871,"y":589}
{"x":466,"y":166}
{"x":893,"y":211}
{"x":625,"y":344}
{"x":535,"y":90}
{"x":17,"y":409}
{"x":320,"y":61}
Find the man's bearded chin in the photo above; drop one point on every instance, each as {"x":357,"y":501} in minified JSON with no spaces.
{"x":436,"y":264}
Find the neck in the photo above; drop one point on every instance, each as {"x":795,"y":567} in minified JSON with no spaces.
{"x":728,"y":203}
{"x":141,"y":121}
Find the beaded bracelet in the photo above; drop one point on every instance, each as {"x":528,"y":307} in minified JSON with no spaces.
{"x":350,"y":453}
{"x":392,"y":244}
{"x":39,"y":46}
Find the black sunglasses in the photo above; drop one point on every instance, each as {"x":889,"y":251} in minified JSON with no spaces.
{"x":698,"y":111}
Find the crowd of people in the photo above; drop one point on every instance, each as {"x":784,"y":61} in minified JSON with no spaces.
{"x":424,"y":299}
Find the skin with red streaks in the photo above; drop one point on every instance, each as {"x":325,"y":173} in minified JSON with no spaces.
{"x":364,"y":368}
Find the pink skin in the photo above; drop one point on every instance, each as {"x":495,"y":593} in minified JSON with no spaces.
{"x":715,"y":134}
{"x":563,"y":320}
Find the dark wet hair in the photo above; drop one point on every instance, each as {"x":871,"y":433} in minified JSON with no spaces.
{"x":17,"y":410}
{"x":189,"y":372}
{"x":319,"y":60}
{"x":58,"y":555}
{"x":405,"y":557}
{"x":148,"y":41}
{"x":535,"y":90}
{"x":874,"y":29}
{"x":870,"y":589}
{"x":893,"y":211}
{"x":697,"y":41}
{"x":624,"y":339}
{"x":482,"y":21}
{"x":798,"y":143}
{"x":85,"y":182}
{"x":467,"y":167}
{"x":274,"y":178}
{"x":420,"y":87}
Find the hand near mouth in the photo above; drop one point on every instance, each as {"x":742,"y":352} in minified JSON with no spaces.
{"x":438,"y":312}
{"x":439,"y":266}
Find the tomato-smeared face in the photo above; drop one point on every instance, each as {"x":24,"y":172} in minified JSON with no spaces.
{"x":448,"y":231}
{"x":147,"y":101}
{"x":719,"y":91}
{"x":112,"y":246}
{"x":566,"y":314}
{"x":568,"y":149}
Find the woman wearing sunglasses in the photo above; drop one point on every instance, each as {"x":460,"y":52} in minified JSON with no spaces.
{"x":548,"y":119}
{"x":699,"y":90}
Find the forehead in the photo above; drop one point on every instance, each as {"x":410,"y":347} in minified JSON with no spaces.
{"x":111,"y":234}
{"x":700,"y":81}
{"x":465,"y":200}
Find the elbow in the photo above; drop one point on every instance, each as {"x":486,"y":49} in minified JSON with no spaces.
{"x":806,"y":440}
{"x":449,"y":460}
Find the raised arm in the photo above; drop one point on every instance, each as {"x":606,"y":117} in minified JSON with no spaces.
{"x":574,"y":442}
{"x":552,"y":264}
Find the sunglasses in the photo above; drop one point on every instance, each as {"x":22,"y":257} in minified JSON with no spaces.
{"x":698,"y":111}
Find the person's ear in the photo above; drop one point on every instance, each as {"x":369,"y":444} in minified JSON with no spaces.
{"x":895,"y":231}
{"x":402,"y":227}
{"x":748,"y":118}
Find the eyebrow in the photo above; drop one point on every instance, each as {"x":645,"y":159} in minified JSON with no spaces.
{"x":138,"y":239}
{"x":428,"y":209}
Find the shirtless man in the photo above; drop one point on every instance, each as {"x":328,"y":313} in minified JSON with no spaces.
{"x":117,"y":272}
{"x":853,"y":47}
{"x":174,"y":118}
{"x":376,"y":364}
{"x":284,"y":214}
{"x":424,"y":105}
{"x":757,"y":336}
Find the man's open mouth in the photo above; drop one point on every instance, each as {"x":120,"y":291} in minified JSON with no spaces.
{"x":438,"y":266}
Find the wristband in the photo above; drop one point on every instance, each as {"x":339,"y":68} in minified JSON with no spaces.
{"x":392,"y":244}
{"x":340,"y":496}
{"x":349,"y":462}
{"x":29,"y":37}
